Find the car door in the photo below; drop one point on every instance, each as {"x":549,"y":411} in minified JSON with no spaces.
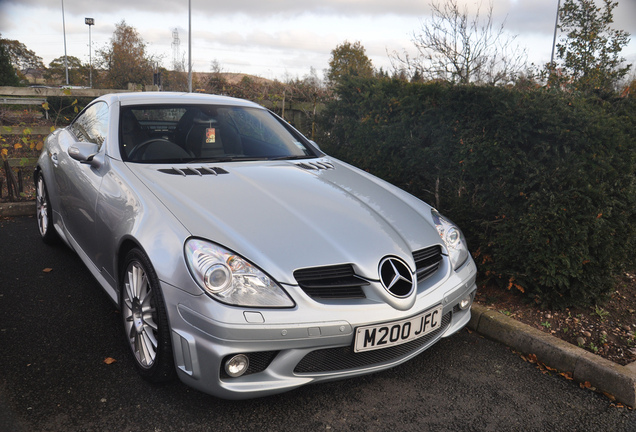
{"x":78,"y":183}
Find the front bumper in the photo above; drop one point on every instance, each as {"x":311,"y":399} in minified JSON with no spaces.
{"x":285,"y":353}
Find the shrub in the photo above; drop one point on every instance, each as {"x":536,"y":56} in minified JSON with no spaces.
{"x":63,"y":109}
{"x":542,"y":183}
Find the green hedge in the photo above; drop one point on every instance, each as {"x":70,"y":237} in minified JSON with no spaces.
{"x":542,"y":183}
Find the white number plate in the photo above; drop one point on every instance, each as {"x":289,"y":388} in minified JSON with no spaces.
{"x":397,"y":332}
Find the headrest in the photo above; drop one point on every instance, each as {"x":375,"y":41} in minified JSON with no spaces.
{"x":202,"y":119}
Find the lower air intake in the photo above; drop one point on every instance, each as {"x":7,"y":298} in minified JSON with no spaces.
{"x":343,"y":358}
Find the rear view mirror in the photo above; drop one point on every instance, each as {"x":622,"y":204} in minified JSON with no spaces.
{"x":84,"y":153}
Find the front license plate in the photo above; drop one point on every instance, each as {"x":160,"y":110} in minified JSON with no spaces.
{"x":398,"y":332}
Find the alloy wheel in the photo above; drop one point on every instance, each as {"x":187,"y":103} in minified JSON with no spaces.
{"x":42,"y":205}
{"x":139,"y":315}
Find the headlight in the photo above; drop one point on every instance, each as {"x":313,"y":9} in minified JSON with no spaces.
{"x":453,"y":239}
{"x":231,"y":279}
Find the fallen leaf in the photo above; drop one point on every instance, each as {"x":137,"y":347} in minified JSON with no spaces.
{"x":610,"y":396}
{"x":47,"y":270}
{"x":587,"y":385}
{"x":109,"y":360}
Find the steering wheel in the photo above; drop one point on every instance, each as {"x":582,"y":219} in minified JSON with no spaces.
{"x":138,"y":150}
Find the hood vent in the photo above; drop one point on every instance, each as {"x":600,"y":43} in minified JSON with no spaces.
{"x":316,"y":166}
{"x":200,"y":171}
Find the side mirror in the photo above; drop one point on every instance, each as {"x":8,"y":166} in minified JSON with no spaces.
{"x":84,"y":153}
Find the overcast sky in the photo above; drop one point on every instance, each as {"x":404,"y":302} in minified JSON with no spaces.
{"x":272,"y":39}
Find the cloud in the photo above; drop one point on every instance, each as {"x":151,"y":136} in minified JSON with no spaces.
{"x":248,"y":7}
{"x":274,"y":34}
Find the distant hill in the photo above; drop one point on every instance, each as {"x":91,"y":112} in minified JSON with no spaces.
{"x":231,"y":77}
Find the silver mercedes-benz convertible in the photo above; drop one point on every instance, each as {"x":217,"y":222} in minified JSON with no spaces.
{"x":245,"y":260}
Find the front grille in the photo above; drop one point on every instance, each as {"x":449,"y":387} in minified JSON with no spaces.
{"x":259,"y":361}
{"x":343,"y":358}
{"x":427,"y":261}
{"x":331,"y":282}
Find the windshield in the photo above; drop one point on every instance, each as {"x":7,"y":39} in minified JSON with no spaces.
{"x":180,"y":133}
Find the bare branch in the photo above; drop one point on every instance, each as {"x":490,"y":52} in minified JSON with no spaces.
{"x":457,"y":47}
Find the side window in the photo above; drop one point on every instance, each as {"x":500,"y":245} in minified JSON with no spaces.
{"x":92,"y":124}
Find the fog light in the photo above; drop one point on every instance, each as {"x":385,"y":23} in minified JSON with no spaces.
{"x":465,"y":302}
{"x":237,"y":365}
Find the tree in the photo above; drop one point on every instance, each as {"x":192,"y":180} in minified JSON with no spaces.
{"x":590,"y":52}
{"x":77,"y":72}
{"x":125,"y":59}
{"x":8,"y":76}
{"x":457,"y":47}
{"x":348,"y":59}
{"x":22,"y":58}
{"x":629,"y":90}
{"x":217,"y":83}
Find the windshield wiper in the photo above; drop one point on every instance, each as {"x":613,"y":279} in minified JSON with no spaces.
{"x":225,"y":159}
{"x":294,"y":157}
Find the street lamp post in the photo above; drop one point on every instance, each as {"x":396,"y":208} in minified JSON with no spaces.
{"x":556,"y":25}
{"x":64,"y":31}
{"x":189,"y":46}
{"x":89,"y":22}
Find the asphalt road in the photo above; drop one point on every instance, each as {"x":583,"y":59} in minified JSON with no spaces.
{"x":57,"y":327}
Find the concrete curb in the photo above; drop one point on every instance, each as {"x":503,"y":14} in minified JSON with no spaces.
{"x":20,"y":208}
{"x":604,"y":375}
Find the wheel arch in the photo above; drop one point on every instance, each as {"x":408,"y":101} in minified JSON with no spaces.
{"x":36,"y":173}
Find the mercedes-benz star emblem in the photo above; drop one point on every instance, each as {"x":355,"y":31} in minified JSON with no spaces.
{"x":396,"y":277}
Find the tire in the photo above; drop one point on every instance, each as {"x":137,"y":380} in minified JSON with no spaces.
{"x":146,"y":327}
{"x":44,"y":212}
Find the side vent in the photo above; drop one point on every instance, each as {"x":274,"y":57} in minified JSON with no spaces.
{"x":316,"y":166}
{"x":200,"y":171}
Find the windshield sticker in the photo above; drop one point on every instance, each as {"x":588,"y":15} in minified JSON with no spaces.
{"x":299,"y":145}
{"x":210,"y":135}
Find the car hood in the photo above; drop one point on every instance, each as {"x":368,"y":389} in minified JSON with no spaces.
{"x":286,"y":215}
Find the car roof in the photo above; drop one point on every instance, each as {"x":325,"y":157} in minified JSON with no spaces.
{"x":151,"y":98}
